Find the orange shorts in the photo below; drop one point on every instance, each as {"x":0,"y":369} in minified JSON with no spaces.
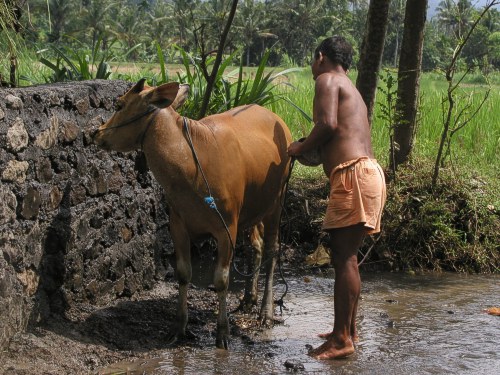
{"x":357,"y":195}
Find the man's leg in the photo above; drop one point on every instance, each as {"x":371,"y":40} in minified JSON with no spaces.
{"x":354,"y":333}
{"x":344,"y":243}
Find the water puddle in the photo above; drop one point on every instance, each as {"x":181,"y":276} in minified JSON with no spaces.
{"x":430,"y":324}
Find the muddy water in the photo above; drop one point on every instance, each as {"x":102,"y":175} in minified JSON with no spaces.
{"x":431,"y":324}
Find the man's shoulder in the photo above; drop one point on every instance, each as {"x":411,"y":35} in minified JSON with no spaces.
{"x":327,"y":76}
{"x":327,"y":82}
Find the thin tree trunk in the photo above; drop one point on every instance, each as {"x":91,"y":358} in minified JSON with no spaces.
{"x":396,"y":48}
{"x":218,"y":60}
{"x":371,"y":52}
{"x":410,"y":64}
{"x":13,"y":68}
{"x":452,"y":86}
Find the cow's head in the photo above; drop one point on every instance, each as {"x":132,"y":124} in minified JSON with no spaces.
{"x":134,"y":112}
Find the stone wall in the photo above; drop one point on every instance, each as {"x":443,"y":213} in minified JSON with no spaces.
{"x":76,"y":223}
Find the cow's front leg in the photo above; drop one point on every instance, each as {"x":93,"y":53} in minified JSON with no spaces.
{"x":221,"y":282}
{"x":182,"y":248}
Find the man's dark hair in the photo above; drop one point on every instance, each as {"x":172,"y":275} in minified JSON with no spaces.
{"x":337,"y":49}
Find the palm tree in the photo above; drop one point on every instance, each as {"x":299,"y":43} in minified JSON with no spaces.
{"x":410,"y":65}
{"x":183,"y":13}
{"x":298,"y":24}
{"x":371,"y":52}
{"x":249,"y":22}
{"x":129,"y":27}
{"x":96,"y":19}
{"x":396,"y":17}
{"x":455,"y":16}
{"x":60,"y":16}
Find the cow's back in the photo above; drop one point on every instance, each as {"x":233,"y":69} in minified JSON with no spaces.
{"x":254,"y":127}
{"x":259,"y":162}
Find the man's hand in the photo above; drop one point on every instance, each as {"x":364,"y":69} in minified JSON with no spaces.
{"x":295,"y":148}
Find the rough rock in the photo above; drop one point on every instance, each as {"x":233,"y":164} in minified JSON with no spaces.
{"x":75,"y":226}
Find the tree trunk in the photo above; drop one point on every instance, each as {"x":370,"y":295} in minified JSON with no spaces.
{"x":218,"y":60}
{"x":13,"y":67}
{"x":396,"y":48}
{"x":371,"y":52}
{"x":410,"y":64}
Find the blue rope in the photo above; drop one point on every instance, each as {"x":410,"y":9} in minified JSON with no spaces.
{"x":211,"y":202}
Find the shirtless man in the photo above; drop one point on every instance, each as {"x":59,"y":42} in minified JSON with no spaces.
{"x":357,"y":187}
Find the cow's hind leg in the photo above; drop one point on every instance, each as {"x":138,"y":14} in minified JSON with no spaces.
{"x":182,"y":248}
{"x":271,"y":232}
{"x":221,"y":282}
{"x":255,"y":257}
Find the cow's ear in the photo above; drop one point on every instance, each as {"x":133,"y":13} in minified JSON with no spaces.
{"x":164,"y":95}
{"x":182,"y":95}
{"x":139,"y":86}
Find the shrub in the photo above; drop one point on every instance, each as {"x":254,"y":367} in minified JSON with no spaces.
{"x":453,"y":227}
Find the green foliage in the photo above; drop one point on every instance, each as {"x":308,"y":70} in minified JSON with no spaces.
{"x":230,"y":89}
{"x":161,"y":60}
{"x":452,"y":227}
{"x":194,"y":76}
{"x":291,"y":28}
{"x":7,"y":19}
{"x":387,"y":108}
{"x":79,"y":65}
{"x":259,"y":90}
{"x":494,"y":48}
{"x":388,"y":89}
{"x":288,"y":27}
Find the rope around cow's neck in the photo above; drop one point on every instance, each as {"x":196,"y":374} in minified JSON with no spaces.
{"x":211,"y":202}
{"x":131,"y":120}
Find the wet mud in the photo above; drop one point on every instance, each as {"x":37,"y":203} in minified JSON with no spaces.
{"x":424,"y":323}
{"x":91,"y":337}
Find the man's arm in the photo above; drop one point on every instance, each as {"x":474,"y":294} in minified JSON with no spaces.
{"x":325,"y":106}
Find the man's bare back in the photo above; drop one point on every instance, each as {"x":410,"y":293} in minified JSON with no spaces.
{"x":341,"y":131}
{"x":350,"y":138}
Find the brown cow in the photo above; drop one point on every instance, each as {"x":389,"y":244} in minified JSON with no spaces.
{"x":239,"y":158}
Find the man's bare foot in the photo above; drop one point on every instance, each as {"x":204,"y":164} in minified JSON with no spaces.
{"x":327,"y":335}
{"x":332,"y":350}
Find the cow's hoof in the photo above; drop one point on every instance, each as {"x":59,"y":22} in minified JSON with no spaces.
{"x":245,"y":306}
{"x":222,"y":343}
{"x":179,"y":338}
{"x":266,"y":321}
{"x":176,"y":339}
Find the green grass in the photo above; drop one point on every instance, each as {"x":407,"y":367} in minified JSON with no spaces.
{"x":475,"y":147}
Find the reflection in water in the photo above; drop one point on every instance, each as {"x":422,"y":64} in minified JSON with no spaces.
{"x":432,"y":324}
